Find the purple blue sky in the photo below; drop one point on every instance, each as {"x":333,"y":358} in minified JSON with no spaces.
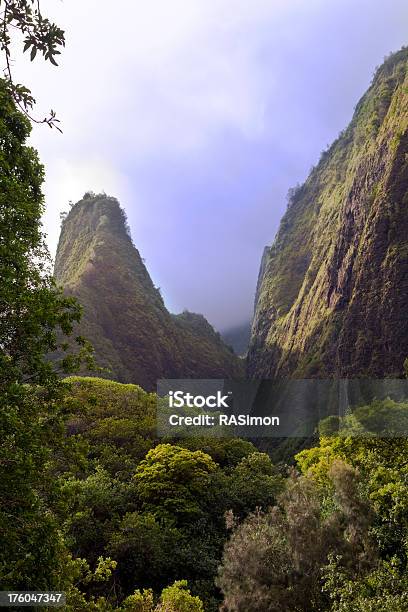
{"x":199,"y":115}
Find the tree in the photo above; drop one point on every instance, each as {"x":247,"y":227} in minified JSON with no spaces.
{"x":146,"y":550}
{"x":273,"y":560}
{"x":39,"y":36}
{"x":384,"y":589}
{"x":254,"y":483}
{"x":382,"y":463}
{"x":175,"y":598}
{"x":32,"y":308}
{"x":172,"y":480}
{"x":33,"y":312}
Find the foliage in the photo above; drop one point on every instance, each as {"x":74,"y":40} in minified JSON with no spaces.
{"x":384,"y":589}
{"x":33,"y":314}
{"x":156,"y":509}
{"x":328,"y":540}
{"x":227,"y":452}
{"x":90,"y":501}
{"x":170,"y":478}
{"x":145,"y":549}
{"x":273,"y":560}
{"x":139,"y":602}
{"x":39,"y":36}
{"x":253,"y":483}
{"x":382,"y":463}
{"x":175,"y":598}
{"x":32,"y":308}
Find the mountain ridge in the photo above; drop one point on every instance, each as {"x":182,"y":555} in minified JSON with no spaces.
{"x":125,"y":317}
{"x":331,"y":300}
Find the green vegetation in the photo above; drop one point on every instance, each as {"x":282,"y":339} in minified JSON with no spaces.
{"x":97,"y":263}
{"x":322,"y":306}
{"x":93,"y":504}
{"x":32,"y":310}
{"x":138,"y":514}
{"x":39,"y":36}
{"x":135,"y":514}
{"x":62,"y":497}
{"x":157,"y":510}
{"x":337,"y":538}
{"x":176,"y":598}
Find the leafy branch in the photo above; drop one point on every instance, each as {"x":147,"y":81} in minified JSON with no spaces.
{"x":40,"y":37}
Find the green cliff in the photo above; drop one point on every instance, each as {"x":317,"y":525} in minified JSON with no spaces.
{"x":332,"y":298}
{"x":124,"y":317}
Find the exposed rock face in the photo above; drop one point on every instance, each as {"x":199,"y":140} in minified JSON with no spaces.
{"x":333,"y":295}
{"x":261,"y":274}
{"x":124,"y":314}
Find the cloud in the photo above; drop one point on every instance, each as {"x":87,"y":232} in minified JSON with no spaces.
{"x":69,"y":180}
{"x":199,"y":115}
{"x":162,"y":73}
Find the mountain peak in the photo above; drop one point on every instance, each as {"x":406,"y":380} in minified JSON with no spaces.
{"x":125,"y":318}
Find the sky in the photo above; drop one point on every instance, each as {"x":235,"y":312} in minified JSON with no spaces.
{"x":199,"y":115}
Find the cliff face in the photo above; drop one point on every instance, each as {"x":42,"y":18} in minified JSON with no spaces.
{"x":124,"y":314}
{"x":261,"y":274}
{"x":333,"y":293}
